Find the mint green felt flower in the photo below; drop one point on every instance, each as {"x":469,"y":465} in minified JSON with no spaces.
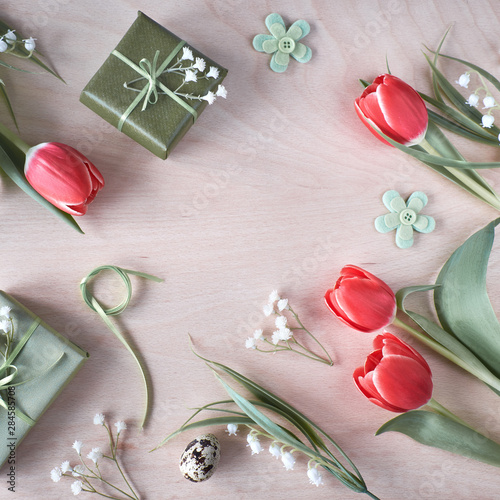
{"x":404,"y":217}
{"x":282,"y":43}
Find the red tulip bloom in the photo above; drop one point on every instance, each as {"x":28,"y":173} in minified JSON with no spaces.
{"x":63,"y":176}
{"x":361,"y":300}
{"x":395,"y":376}
{"x":393,"y":107}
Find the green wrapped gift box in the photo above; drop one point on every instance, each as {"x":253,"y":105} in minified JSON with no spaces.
{"x":45,"y":363}
{"x":146,"y":89}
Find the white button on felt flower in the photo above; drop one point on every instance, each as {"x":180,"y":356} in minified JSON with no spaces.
{"x":404,"y":217}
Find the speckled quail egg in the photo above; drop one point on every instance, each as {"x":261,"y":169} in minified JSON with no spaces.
{"x":200,"y":458}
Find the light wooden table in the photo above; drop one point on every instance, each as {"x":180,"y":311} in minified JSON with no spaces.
{"x":277,"y":187}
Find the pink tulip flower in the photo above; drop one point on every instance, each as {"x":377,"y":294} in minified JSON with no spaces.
{"x":396,"y":109}
{"x":63,"y":176}
{"x":361,"y":300}
{"x":395,"y":376}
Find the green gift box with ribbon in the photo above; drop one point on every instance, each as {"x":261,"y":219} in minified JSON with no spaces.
{"x":153,"y":86}
{"x":38,"y":365}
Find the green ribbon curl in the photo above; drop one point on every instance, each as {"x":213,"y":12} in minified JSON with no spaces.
{"x":103,"y":312}
{"x":150,"y":73}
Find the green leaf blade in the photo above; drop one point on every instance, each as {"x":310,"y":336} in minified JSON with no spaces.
{"x":461,"y":300}
{"x":444,"y":433}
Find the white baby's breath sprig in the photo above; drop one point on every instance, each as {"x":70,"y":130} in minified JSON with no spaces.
{"x":284,"y":337}
{"x":86,"y":474}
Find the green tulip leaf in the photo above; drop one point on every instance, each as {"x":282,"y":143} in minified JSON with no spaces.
{"x":462,"y":302}
{"x":448,"y":343}
{"x":444,"y":433}
{"x":5,"y":98}
{"x":15,"y":173}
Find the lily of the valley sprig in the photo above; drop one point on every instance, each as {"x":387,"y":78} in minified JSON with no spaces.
{"x":284,"y":335}
{"x":87,"y":475}
{"x":6,"y":331}
{"x":13,"y":44}
{"x":292,"y":437}
{"x":191,"y":72}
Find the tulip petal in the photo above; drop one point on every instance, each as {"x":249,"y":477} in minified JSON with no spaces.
{"x":364,"y":303}
{"x":370,"y":108}
{"x":387,"y":339}
{"x":402,"y":382}
{"x":365,"y":385}
{"x":403,"y":109}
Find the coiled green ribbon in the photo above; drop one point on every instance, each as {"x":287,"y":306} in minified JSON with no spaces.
{"x":103,"y":312}
{"x":150,"y":73}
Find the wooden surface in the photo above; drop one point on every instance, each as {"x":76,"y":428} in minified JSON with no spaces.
{"x":277,"y":187}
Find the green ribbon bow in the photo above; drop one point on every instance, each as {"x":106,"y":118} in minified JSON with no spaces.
{"x":6,"y":380}
{"x":150,"y":73}
{"x":103,"y":312}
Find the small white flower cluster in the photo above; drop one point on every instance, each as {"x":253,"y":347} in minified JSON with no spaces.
{"x":85,"y":473}
{"x":282,"y":338}
{"x":489,"y":101}
{"x":194,"y":72}
{"x":283,"y":333}
{"x":278,"y":451}
{"x":5,"y":320}
{"x":9,"y":41}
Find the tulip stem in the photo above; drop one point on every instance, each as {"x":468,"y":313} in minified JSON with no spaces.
{"x":441,"y":410}
{"x":482,"y":192}
{"x":14,"y":139}
{"x":486,"y":376}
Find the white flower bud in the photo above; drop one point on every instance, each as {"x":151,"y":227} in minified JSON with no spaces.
{"x":29,"y":44}
{"x":473,"y":100}
{"x":3,"y":45}
{"x":464,"y":80}
{"x":489,"y":102}
{"x":487,"y":121}
{"x":10,"y":36}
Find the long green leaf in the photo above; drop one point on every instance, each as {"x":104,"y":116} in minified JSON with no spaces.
{"x":457,"y":129}
{"x":5,"y":97}
{"x":7,"y":165}
{"x":205,"y":423}
{"x":467,"y":359}
{"x":462,"y":302}
{"x":444,"y":433}
{"x":294,"y":416}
